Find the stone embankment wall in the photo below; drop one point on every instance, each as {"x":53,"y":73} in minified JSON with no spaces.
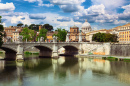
{"x":96,"y":48}
{"x":120,"y":49}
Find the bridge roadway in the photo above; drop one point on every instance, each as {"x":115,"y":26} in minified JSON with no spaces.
{"x":47,"y":49}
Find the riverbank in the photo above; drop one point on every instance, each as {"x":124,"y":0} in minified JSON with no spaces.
{"x":109,"y":57}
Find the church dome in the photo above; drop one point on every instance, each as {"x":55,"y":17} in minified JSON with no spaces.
{"x":86,"y":24}
{"x":86,"y":27}
{"x":74,"y":27}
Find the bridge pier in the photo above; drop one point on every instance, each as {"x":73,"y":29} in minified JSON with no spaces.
{"x":55,"y":54}
{"x":55,"y":48}
{"x":20,"y":53}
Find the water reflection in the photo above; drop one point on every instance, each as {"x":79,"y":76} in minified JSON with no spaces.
{"x":97,"y":65}
{"x":55,"y":72}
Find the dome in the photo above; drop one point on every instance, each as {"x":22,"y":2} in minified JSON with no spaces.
{"x":86,"y":24}
{"x":86,"y":27}
{"x":74,"y":26}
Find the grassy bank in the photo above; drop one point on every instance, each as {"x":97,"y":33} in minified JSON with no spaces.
{"x":31,"y":53}
{"x":110,"y":58}
{"x":1,"y":52}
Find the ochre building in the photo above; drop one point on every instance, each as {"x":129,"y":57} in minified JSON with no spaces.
{"x":124,"y":33}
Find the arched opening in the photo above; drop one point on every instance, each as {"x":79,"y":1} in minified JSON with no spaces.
{"x":69,"y":51}
{"x":44,"y":51}
{"x":10,"y":54}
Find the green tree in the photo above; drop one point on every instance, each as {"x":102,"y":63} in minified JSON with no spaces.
{"x":25,"y":34}
{"x":104,"y":37}
{"x":48,"y":27}
{"x":61,"y":34}
{"x":26,"y":25}
{"x":1,"y":32}
{"x":34,"y":27}
{"x":28,"y":34}
{"x":32,"y":35}
{"x":43,"y":33}
{"x":20,"y":24}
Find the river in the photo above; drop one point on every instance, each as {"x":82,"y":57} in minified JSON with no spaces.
{"x":64,"y":71}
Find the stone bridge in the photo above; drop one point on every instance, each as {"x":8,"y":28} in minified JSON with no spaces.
{"x":15,"y":50}
{"x":46,"y":49}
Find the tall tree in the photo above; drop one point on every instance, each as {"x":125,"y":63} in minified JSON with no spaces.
{"x":1,"y":32}
{"x":34,"y":27}
{"x":20,"y":24}
{"x":43,"y":33}
{"x":26,"y":25}
{"x":48,"y":27}
{"x":61,"y":34}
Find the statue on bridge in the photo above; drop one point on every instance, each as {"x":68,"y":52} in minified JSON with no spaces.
{"x":42,"y":39}
{"x":20,"y":38}
{"x":54,"y":38}
{"x":67,"y":37}
{"x":9,"y":39}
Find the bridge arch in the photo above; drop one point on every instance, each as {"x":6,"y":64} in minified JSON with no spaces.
{"x":10,"y":53}
{"x":45,"y":51}
{"x":38,"y":47}
{"x":70,"y":50}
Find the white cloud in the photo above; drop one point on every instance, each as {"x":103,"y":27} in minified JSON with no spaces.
{"x":91,"y":13}
{"x":127,"y":8}
{"x":51,"y":18}
{"x":126,"y":14}
{"x":71,"y":8}
{"x":47,"y":5}
{"x":69,"y":5}
{"x":66,"y":2}
{"x":37,"y":16}
{"x":31,"y":0}
{"x":64,"y":19}
{"x":7,"y":7}
{"x":40,"y":3}
{"x":109,"y":4}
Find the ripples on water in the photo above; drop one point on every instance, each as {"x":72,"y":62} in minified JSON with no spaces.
{"x":64,"y":71}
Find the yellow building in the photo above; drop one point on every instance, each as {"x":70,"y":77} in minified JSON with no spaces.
{"x":15,"y":36}
{"x":124,"y":33}
{"x":50,"y":36}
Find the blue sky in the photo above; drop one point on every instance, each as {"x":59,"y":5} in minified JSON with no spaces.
{"x":101,"y":14}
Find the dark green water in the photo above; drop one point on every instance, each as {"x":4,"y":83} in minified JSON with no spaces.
{"x":65,"y":71}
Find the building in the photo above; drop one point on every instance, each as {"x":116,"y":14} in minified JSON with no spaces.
{"x":86,"y":27}
{"x":11,"y":31}
{"x":74,"y":34}
{"x":15,"y":36}
{"x":124,"y":33}
{"x":50,"y":35}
